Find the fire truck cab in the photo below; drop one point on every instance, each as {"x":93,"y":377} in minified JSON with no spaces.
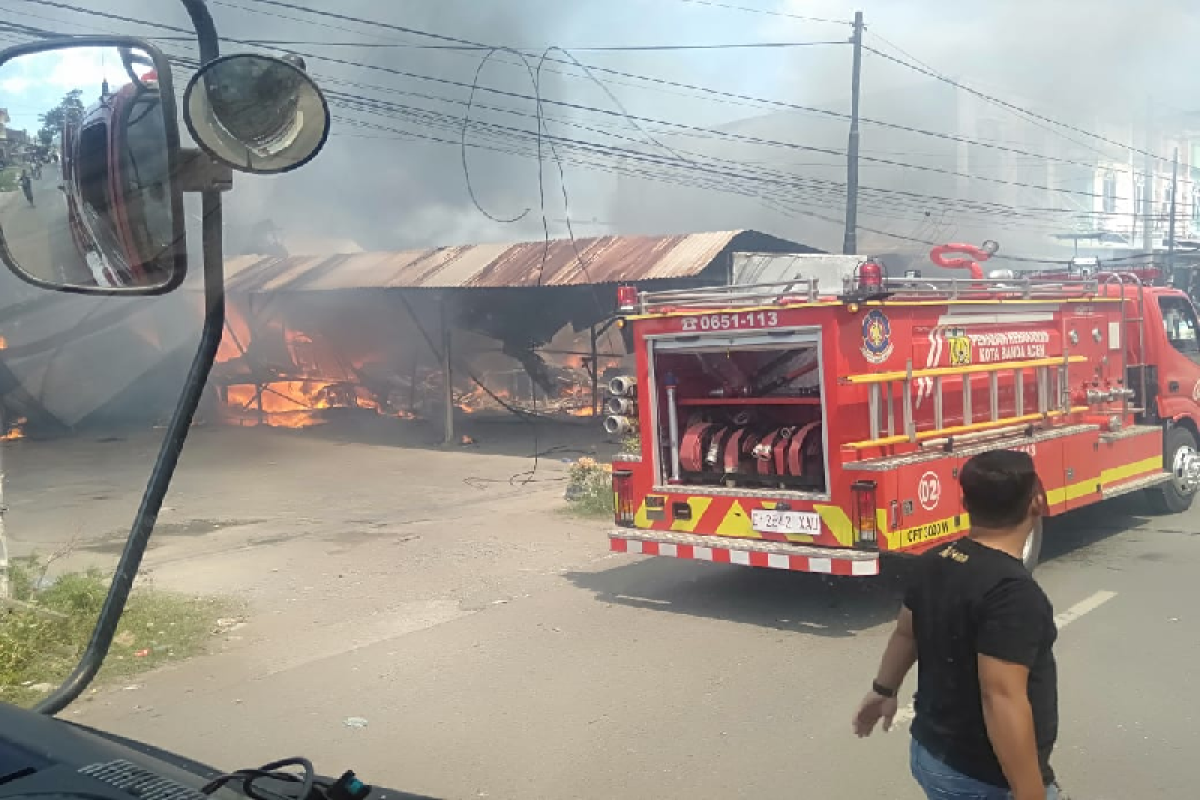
{"x":785,"y":426}
{"x":116,"y":183}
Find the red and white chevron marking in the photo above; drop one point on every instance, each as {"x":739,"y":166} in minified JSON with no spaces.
{"x":749,"y":558}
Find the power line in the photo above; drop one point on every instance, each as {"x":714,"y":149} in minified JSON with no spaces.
{"x":792,"y":180}
{"x":766,"y":12}
{"x":677,"y":84}
{"x":725,"y":95}
{"x":963,"y":204}
{"x":531,"y":50}
{"x":1005,"y":104}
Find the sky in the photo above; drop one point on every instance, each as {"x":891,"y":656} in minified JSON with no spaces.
{"x":32,"y":84}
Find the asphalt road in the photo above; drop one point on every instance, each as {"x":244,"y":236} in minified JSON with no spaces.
{"x":38,"y":236}
{"x":494,"y":648}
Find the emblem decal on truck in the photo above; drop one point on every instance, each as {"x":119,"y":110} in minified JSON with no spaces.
{"x":960,"y":349}
{"x":929,"y":491}
{"x":877,"y":337}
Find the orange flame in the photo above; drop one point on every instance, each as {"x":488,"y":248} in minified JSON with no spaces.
{"x":15,"y":431}
{"x":316,"y":378}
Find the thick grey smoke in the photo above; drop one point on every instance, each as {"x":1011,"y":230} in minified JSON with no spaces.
{"x":381,"y":183}
{"x":1091,"y":64}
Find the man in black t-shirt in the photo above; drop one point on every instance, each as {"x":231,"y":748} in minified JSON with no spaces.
{"x":983,"y":631}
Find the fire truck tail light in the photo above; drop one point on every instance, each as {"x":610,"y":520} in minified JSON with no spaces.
{"x":627,"y":298}
{"x":624,"y":508}
{"x":864,"y":521}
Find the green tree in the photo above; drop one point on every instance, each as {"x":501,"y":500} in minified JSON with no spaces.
{"x":52,"y":120}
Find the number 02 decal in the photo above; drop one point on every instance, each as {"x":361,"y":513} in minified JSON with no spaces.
{"x":727,"y":322}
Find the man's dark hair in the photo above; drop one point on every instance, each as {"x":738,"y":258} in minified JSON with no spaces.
{"x":998,"y":487}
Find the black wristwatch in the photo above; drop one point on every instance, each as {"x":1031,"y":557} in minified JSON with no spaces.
{"x":881,"y":690}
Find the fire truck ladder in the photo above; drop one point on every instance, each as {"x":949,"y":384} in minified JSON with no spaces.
{"x":1120,"y":281}
{"x":1050,"y":375}
{"x":736,"y":295}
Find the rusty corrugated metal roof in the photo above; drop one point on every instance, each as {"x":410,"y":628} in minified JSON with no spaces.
{"x":608,"y":259}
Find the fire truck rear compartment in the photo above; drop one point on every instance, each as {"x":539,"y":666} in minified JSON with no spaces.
{"x":748,"y":414}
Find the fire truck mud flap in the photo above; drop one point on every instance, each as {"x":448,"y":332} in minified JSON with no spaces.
{"x":749,"y":552}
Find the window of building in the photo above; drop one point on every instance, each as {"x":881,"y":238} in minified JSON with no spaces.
{"x":1110,"y":192}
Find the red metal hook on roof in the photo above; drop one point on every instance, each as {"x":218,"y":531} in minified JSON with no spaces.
{"x":938,"y":256}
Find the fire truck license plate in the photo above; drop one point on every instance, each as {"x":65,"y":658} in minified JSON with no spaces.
{"x":804,"y":522}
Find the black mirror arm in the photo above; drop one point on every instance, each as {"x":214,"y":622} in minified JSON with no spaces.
{"x":164,"y":466}
{"x":206,"y":30}
{"x":200,"y":175}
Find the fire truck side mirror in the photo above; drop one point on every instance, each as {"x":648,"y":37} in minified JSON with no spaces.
{"x":256,"y":113}
{"x":98,"y":207}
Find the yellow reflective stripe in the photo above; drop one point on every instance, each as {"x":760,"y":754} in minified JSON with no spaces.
{"x":699,"y":505}
{"x":1127,"y":471}
{"x":929,"y":532}
{"x":838,"y":523}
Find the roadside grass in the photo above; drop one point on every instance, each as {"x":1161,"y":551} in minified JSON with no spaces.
{"x":8,"y":179}
{"x":44,"y":632}
{"x":589,"y":488}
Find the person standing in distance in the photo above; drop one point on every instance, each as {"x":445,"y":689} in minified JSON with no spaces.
{"x":983,"y":632}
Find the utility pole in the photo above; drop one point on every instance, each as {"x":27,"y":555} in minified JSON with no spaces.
{"x":850,"y":242}
{"x":1148,"y":184}
{"x":1171,"y":224}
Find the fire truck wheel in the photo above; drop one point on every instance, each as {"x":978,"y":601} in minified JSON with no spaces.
{"x":1180,"y":459}
{"x":1032,"y":552}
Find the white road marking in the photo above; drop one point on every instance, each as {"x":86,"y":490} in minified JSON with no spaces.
{"x":1064,"y":618}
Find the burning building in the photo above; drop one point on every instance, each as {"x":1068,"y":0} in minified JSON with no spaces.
{"x":520,"y":328}
{"x":492,"y":328}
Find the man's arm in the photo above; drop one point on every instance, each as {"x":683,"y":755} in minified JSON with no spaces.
{"x":898,"y":658}
{"x":900,"y":653}
{"x":1004,"y":689}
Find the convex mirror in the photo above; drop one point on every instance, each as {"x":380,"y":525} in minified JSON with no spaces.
{"x":256,"y":113}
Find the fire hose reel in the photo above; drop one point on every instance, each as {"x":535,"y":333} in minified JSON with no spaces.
{"x":976,"y":255}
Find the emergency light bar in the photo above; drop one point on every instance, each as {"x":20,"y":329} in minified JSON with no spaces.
{"x":627,"y":298}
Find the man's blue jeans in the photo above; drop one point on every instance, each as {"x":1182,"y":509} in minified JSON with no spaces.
{"x":940,"y":782}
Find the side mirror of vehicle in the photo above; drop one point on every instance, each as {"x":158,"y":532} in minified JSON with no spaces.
{"x":106,"y":107}
{"x":256,"y":113}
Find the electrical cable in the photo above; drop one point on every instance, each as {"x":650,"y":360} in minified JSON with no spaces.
{"x":1007,"y":105}
{"x":273,"y":771}
{"x":476,"y":45}
{"x":945,"y":199}
{"x":868,"y":189}
{"x":752,"y":10}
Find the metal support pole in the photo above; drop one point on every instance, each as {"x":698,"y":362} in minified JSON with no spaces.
{"x":1171,"y":224}
{"x":447,"y":374}
{"x":1148,"y":184}
{"x":673,"y":433}
{"x":994,"y":391}
{"x":939,"y":417}
{"x":850,"y":242}
{"x":874,"y":399}
{"x":890,"y":398}
{"x":595,"y":372}
{"x":910,"y":428}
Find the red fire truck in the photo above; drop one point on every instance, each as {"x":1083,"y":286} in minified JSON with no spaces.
{"x":115,"y":180}
{"x":781,"y":426}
